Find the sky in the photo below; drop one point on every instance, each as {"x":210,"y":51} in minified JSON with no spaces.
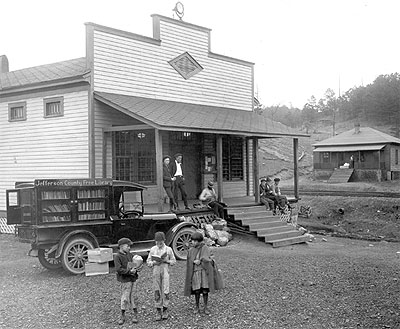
{"x":300,"y":47}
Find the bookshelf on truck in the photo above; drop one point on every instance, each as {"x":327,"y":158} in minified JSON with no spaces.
{"x":64,"y":218}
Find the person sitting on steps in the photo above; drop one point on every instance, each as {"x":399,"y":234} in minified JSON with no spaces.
{"x":266,"y":195}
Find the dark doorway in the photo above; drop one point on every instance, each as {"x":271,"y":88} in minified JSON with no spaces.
{"x":189,"y":144}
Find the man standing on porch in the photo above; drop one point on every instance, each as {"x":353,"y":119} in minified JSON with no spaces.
{"x":179,"y":183}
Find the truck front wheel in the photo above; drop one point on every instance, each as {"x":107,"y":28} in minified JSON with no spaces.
{"x":181,"y":242}
{"x":75,"y":254}
{"x":47,"y":260}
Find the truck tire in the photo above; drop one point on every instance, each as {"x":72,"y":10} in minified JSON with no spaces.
{"x":74,"y":255}
{"x":48,"y":261}
{"x":181,"y":242}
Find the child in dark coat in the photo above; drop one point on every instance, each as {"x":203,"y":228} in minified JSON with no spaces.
{"x":127,"y":276}
{"x":199,"y":272}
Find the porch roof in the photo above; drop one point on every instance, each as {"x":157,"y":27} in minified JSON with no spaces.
{"x":349,"y":148}
{"x":177,"y":116}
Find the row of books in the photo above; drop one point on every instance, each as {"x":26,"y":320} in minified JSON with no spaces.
{"x":56,"y":208}
{"x":49,"y":195}
{"x":98,"y":193}
{"x":49,"y":219}
{"x":91,"y":216}
{"x":91,"y":205}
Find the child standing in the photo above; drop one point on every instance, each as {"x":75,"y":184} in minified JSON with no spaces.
{"x":199,"y":272}
{"x":160,"y":267}
{"x":127,"y":277}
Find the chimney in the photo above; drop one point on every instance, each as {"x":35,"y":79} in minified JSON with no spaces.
{"x":4,"y":64}
{"x":356,"y":128}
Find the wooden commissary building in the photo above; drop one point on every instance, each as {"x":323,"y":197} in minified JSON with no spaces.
{"x":131,"y":100}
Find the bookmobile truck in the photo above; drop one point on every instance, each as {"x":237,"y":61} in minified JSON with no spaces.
{"x":64,"y":218}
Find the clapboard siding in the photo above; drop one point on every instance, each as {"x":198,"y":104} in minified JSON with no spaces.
{"x":106,"y":117}
{"x":135,"y":67}
{"x":44,"y":147}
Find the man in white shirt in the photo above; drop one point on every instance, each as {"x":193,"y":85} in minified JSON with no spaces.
{"x":179,"y":183}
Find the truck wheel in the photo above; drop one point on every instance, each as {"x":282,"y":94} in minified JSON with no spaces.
{"x":74,"y":255}
{"x":181,"y":243}
{"x":48,"y":261}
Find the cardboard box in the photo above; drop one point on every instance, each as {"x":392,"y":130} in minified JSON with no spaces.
{"x":96,"y":269}
{"x":100,"y":255}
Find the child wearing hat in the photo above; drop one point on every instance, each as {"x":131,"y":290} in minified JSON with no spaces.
{"x":160,"y":258}
{"x":199,"y":272}
{"x":127,"y":276}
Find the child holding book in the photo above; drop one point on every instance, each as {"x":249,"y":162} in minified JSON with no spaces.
{"x":127,"y":275}
{"x":160,"y":258}
{"x":199,"y":272}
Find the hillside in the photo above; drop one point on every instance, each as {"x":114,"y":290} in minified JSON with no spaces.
{"x":276,"y":154}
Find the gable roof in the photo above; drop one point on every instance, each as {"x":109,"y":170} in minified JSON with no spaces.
{"x":177,"y":116}
{"x":43,"y":74}
{"x":366,"y":135}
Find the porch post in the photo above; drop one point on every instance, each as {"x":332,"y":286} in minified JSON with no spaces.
{"x":295,"y":168}
{"x":255,"y":170}
{"x":159,"y":174}
{"x":219,"y":169}
{"x":104,"y":158}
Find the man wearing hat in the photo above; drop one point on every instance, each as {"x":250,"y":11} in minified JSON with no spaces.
{"x":209,"y":198}
{"x":267,"y":196}
{"x":280,"y":199}
{"x":168,"y":181}
{"x":179,"y":183}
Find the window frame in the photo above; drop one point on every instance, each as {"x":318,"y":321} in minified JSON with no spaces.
{"x":17,"y":105}
{"x":229,"y":156}
{"x":49,"y":100}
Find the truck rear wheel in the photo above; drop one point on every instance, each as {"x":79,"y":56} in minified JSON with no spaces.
{"x":48,"y":260}
{"x":181,"y":242}
{"x":75,"y":254}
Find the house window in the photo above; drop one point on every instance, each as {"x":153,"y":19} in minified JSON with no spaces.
{"x":135,"y":158}
{"x":17,"y":111}
{"x":232,"y":158}
{"x":53,"y":107}
{"x":325,"y":157}
{"x":396,"y":157}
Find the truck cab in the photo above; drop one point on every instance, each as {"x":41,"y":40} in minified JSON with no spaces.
{"x":63,"y":218}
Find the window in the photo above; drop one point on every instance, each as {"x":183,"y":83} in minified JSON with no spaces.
{"x":17,"y":111}
{"x":232,"y":158}
{"x":325,"y":157}
{"x":396,"y":157}
{"x":53,"y":107}
{"x":135,"y":157}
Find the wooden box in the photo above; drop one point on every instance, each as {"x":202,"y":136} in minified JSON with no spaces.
{"x":100,"y":255}
{"x":96,"y":269}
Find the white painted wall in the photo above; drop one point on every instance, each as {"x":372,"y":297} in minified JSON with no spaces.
{"x":44,"y":147}
{"x":129,"y":65}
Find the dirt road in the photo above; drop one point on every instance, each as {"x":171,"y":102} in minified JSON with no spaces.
{"x":337,"y":283}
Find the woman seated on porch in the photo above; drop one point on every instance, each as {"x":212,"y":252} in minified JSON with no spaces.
{"x":209,"y":198}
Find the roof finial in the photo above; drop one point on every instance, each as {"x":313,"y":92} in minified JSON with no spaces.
{"x":179,"y":9}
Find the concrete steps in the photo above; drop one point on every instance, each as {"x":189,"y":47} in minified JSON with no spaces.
{"x":266,"y":226}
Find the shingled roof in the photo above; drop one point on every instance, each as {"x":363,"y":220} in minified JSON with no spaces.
{"x":170,"y":115}
{"x":365,"y":136}
{"x":43,"y":74}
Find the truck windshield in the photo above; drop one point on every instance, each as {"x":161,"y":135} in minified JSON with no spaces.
{"x":131,"y":201}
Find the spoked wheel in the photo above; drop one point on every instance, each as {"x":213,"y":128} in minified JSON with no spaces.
{"x":48,"y":260}
{"x":181,"y":243}
{"x":75,"y":254}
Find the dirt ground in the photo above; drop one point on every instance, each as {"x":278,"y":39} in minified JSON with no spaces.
{"x":371,"y":218}
{"x":330,"y":283}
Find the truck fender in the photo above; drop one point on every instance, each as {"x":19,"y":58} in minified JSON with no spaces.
{"x":175,"y":229}
{"x":68,"y":235}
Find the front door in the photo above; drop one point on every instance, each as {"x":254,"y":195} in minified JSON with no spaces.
{"x":189,"y":144}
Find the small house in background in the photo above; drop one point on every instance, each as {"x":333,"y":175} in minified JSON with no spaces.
{"x":365,"y":153}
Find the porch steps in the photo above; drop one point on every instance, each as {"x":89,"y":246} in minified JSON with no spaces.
{"x":266,"y":226}
{"x":341,"y":175}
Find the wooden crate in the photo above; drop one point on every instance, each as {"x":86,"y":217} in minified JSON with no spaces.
{"x":96,"y":269}
{"x":100,"y":255}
